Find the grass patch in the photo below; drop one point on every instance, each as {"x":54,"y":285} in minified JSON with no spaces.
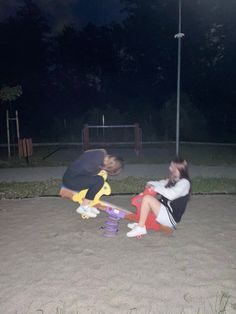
{"x":212,"y":155}
{"x":150,"y":154}
{"x":129,"y":185}
{"x":221,"y":305}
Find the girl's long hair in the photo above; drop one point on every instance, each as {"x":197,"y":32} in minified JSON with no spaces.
{"x":182,"y":166}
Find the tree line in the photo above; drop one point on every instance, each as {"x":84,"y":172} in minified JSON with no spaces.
{"x":125,"y":71}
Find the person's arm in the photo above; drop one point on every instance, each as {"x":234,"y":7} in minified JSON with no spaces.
{"x":181,"y":188}
{"x":156,"y":184}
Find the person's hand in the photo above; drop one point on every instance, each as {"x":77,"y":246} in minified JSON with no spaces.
{"x":149,"y":186}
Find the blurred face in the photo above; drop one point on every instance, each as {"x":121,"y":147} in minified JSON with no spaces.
{"x":112,"y":161}
{"x":174,"y":169}
{"x":112,"y":166}
{"x":109,"y":161}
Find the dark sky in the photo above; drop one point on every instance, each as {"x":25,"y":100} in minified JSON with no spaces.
{"x":144,"y":72}
{"x":62,"y":12}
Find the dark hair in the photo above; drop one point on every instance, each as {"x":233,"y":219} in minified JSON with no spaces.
{"x":182,"y":166}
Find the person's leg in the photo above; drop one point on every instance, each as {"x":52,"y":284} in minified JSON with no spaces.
{"x":149,"y":203}
{"x":94,"y":185}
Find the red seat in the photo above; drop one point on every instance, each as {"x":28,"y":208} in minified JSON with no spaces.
{"x":151,"y":219}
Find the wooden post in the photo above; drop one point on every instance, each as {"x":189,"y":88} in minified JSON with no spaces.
{"x":86,"y":137}
{"x":25,"y":148}
{"x":8,"y":118}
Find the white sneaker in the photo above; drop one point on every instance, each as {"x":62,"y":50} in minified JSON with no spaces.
{"x":137,"y":231}
{"x":132,"y":225}
{"x":94,"y":210}
{"x":85,"y":210}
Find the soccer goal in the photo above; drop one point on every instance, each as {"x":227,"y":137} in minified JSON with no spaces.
{"x":112,"y":135}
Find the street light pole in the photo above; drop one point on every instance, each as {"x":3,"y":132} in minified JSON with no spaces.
{"x":179,"y":36}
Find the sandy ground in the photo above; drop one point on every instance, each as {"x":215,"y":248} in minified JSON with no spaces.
{"x":53,"y":262}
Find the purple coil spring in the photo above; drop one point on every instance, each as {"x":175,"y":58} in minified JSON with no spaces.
{"x":111,"y":225}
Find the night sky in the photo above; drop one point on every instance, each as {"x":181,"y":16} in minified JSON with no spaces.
{"x":77,"y":60}
{"x":78,"y":12}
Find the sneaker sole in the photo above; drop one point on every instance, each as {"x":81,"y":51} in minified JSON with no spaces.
{"x":139,"y":233}
{"x":131,"y":227}
{"x":136,"y":235}
{"x":86,"y":215}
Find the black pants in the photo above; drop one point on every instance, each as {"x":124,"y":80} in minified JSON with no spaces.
{"x":92,"y":183}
